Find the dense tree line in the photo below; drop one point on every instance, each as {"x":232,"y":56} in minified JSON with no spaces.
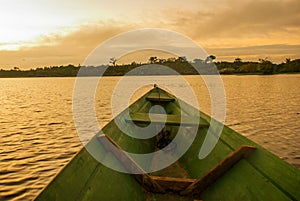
{"x":179,"y":64}
{"x":263,"y":66}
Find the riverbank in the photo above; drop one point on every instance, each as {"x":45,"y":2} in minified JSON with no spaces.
{"x":182,"y":67}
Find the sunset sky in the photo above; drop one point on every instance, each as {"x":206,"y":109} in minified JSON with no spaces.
{"x":59,"y":32}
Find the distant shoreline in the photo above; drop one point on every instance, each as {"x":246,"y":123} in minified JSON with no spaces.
{"x":156,"y":67}
{"x":237,"y":74}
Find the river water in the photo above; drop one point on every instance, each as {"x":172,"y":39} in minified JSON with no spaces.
{"x":38,"y":135}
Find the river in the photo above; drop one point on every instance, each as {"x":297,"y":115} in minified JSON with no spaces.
{"x":38,"y":135}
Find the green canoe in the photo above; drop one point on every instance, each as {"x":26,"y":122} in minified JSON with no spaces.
{"x":236,"y":168}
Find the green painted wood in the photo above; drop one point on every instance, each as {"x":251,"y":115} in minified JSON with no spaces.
{"x":129,"y":164}
{"x":157,"y":97}
{"x":107,"y":184}
{"x":167,"y":197}
{"x":174,"y":170}
{"x":110,"y":179}
{"x":68,"y":184}
{"x":243,"y":182}
{"x":283,"y":175}
{"x":262,"y":176}
{"x":197,"y":187}
{"x":172,"y":119}
{"x":197,"y":168}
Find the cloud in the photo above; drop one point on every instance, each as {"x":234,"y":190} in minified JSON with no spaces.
{"x":248,"y":29}
{"x":276,"y":53}
{"x":253,"y":22}
{"x":62,"y":49}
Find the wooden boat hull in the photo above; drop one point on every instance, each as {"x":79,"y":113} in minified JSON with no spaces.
{"x":236,"y":169}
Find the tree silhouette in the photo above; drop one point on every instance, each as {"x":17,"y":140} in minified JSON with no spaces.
{"x":198,"y":61}
{"x":161,"y":61}
{"x":266,"y":66}
{"x":210,"y":59}
{"x":287,"y":60}
{"x":152,"y":60}
{"x":237,"y":60}
{"x":113,"y":61}
{"x":181,"y":59}
{"x":179,"y":64}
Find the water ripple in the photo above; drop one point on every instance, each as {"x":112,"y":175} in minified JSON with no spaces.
{"x":38,"y":136}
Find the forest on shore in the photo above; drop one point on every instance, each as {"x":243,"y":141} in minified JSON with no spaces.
{"x":180,"y":64}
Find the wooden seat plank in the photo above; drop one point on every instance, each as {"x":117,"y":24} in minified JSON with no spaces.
{"x":171,"y":119}
{"x":156,"y":97}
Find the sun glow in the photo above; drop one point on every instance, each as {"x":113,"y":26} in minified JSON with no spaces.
{"x":25,"y":23}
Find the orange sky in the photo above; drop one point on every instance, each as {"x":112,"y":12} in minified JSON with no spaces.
{"x":58,"y":32}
